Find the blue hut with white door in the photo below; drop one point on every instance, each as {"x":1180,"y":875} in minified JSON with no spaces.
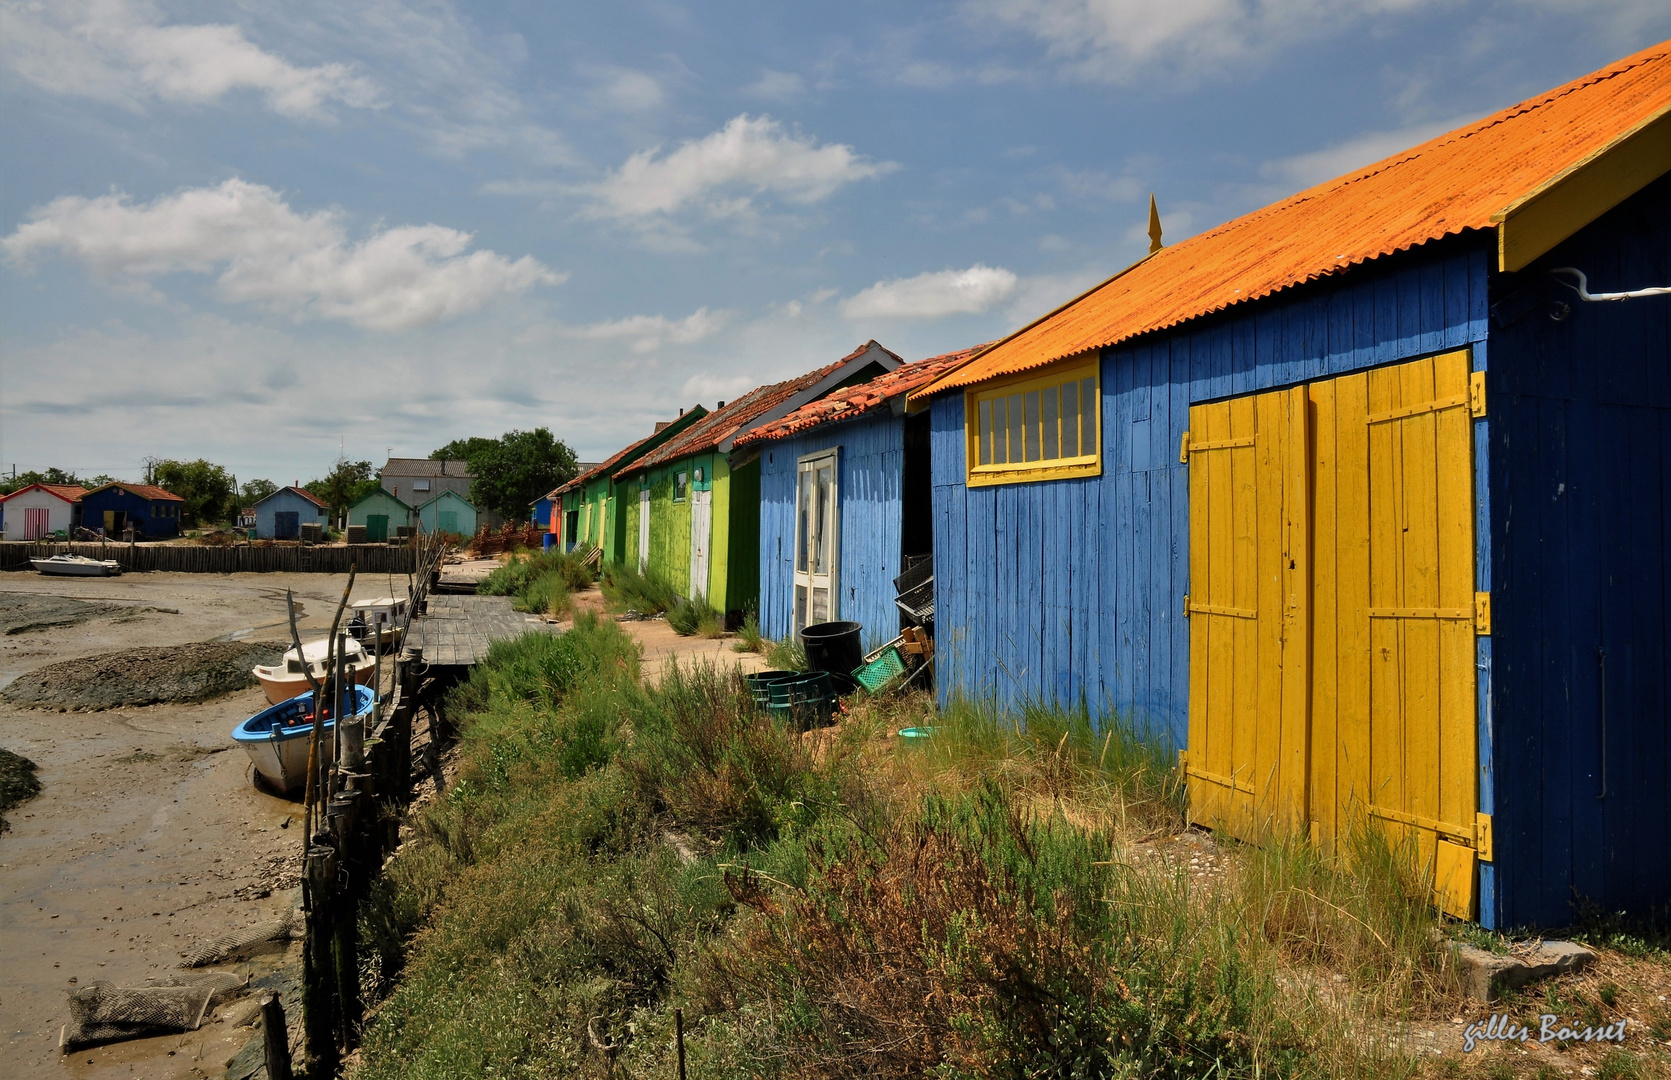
{"x":857,"y":464}
{"x":1362,"y":503}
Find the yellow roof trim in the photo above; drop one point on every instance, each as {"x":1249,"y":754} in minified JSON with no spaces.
{"x":1570,"y":200}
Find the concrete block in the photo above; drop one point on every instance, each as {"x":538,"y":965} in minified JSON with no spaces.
{"x":1488,"y":974}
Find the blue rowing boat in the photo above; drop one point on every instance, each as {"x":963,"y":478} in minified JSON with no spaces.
{"x":276,"y":738}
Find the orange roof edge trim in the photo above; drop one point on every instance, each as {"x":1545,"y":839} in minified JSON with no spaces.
{"x":1532,"y":175}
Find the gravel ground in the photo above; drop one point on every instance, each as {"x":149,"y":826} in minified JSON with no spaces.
{"x":145,"y":676}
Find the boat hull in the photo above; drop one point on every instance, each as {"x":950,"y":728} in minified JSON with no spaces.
{"x":282,"y":687}
{"x":277,"y":739}
{"x":78,"y":568}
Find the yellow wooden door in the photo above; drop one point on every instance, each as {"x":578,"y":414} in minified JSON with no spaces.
{"x":1248,"y":608}
{"x":1332,"y":613}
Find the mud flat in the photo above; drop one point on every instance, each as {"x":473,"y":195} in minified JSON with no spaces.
{"x":147,"y":837}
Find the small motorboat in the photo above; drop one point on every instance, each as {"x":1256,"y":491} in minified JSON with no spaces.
{"x":287,"y":678}
{"x":77,"y":566}
{"x":381,"y":620}
{"x":277,"y":738}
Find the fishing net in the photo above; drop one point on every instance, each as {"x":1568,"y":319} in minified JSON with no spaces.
{"x":103,"y":1012}
{"x":240,"y":942}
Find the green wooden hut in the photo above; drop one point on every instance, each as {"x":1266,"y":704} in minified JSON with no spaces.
{"x":590,"y":507}
{"x":691,"y":513}
{"x":381,"y":513}
{"x":448,"y":512}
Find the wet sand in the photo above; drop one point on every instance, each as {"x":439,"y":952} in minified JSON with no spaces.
{"x":148,"y":836}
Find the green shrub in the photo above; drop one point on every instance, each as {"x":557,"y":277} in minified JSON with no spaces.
{"x":749,"y":638}
{"x":628,"y":590}
{"x":695,"y":617}
{"x":539,"y":582}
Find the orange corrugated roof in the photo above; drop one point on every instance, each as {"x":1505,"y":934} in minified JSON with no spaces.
{"x":722,"y":424}
{"x":1456,"y":182}
{"x":856,"y":400}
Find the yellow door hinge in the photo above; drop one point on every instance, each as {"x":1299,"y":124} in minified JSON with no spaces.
{"x":1482,"y":837}
{"x":1482,"y":613}
{"x":1183,"y":760}
{"x":1186,"y":605}
{"x":1183,"y":449}
{"x":1476,"y":393}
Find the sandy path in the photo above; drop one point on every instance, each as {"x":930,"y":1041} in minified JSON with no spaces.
{"x":148,"y":836}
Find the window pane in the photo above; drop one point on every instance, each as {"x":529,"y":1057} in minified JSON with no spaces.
{"x":821,"y":553}
{"x":820,"y":605}
{"x":985,"y":432}
{"x":1016,"y":425}
{"x":800,"y":607}
{"x":1049,"y":428}
{"x":1088,"y":416}
{"x":804,"y":526}
{"x":1070,"y":419}
{"x":1032,"y":435}
{"x":1000,"y":431}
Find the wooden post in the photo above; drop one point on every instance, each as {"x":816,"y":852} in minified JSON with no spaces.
{"x":275,"y":1038}
{"x":320,"y":1007}
{"x":679,"y":1037}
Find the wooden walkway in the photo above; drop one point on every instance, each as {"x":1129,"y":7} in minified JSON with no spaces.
{"x":459,"y":629}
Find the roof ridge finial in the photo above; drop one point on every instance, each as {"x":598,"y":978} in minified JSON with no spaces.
{"x":1154,"y":226}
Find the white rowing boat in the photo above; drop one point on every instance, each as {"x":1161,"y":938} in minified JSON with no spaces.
{"x":287,"y":678}
{"x":380,"y":620}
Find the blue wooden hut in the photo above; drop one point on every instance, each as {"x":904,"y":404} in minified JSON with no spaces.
{"x":148,"y":510}
{"x":1363,"y":505}
{"x":281,"y":515}
{"x":859,"y":465}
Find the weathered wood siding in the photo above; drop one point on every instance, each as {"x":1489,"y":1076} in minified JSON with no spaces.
{"x":1580,"y":516}
{"x":1072,"y":590}
{"x":870,"y":469}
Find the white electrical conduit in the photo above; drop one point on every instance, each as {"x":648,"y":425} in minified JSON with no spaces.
{"x":1584,"y":293}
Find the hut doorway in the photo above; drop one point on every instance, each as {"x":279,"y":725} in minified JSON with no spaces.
{"x":817,"y":533}
{"x":701,"y":525}
{"x":644,"y":530}
{"x":1332,"y":614}
{"x":377,"y":528}
{"x":287,"y":524}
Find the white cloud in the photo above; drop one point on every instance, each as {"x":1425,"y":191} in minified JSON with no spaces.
{"x":1309,"y":169}
{"x":120,"y":52}
{"x":647,"y":333}
{"x":933,"y":295}
{"x":1116,"y":40}
{"x":749,"y":154}
{"x":268,"y":254}
{"x":776,"y":86}
{"x":626,"y":90}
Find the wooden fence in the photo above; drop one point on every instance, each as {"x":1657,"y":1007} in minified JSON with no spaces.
{"x":239,"y":559}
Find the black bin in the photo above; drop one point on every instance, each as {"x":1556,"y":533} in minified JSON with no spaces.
{"x":833,"y":647}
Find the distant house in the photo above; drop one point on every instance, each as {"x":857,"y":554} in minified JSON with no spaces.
{"x":148,"y":510}
{"x":693,"y":507}
{"x":857,"y":463}
{"x":38,"y":510}
{"x":448,"y":512}
{"x":380,"y":513}
{"x":414,"y":481}
{"x":246,"y":518}
{"x":540,"y":512}
{"x":280,"y":516}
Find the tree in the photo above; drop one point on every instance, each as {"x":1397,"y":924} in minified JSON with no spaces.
{"x":207,"y":488}
{"x":514,"y":470}
{"x":52,"y":475}
{"x":256,"y":490}
{"x":346,"y":484}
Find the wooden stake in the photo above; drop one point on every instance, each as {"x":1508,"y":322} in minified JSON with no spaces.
{"x":275,"y":1038}
{"x":679,"y":1037}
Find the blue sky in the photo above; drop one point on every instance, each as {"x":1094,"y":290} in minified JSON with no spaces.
{"x":259,"y":232}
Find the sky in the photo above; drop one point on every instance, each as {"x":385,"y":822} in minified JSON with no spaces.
{"x":269,"y":234}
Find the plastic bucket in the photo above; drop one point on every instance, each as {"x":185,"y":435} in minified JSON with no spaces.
{"x":759,"y":681}
{"x":550,"y":541}
{"x":833,"y":646}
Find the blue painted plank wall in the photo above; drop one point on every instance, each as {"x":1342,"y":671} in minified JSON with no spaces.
{"x":872,"y":452}
{"x":1071,"y":590}
{"x":1581,"y":537}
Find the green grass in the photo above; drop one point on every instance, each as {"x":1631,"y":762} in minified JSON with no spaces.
{"x":539,"y":582}
{"x":695,"y":618}
{"x":627,"y":590}
{"x":1007,"y":900}
{"x":749,"y":638}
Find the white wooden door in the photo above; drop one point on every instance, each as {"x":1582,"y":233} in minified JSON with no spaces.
{"x":644,"y":531}
{"x":701,"y":532}
{"x":817,"y":540}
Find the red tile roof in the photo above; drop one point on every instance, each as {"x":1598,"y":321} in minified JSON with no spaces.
{"x":721,"y":424}
{"x":854,"y":401}
{"x":603,"y":466}
{"x":144,"y":491}
{"x":67,"y":492}
{"x":1477,"y":177}
{"x":309,"y":496}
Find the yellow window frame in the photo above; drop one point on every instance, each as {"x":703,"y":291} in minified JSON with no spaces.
{"x":1021,"y":386}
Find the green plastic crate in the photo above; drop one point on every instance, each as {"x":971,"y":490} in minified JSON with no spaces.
{"x":876,"y":675}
